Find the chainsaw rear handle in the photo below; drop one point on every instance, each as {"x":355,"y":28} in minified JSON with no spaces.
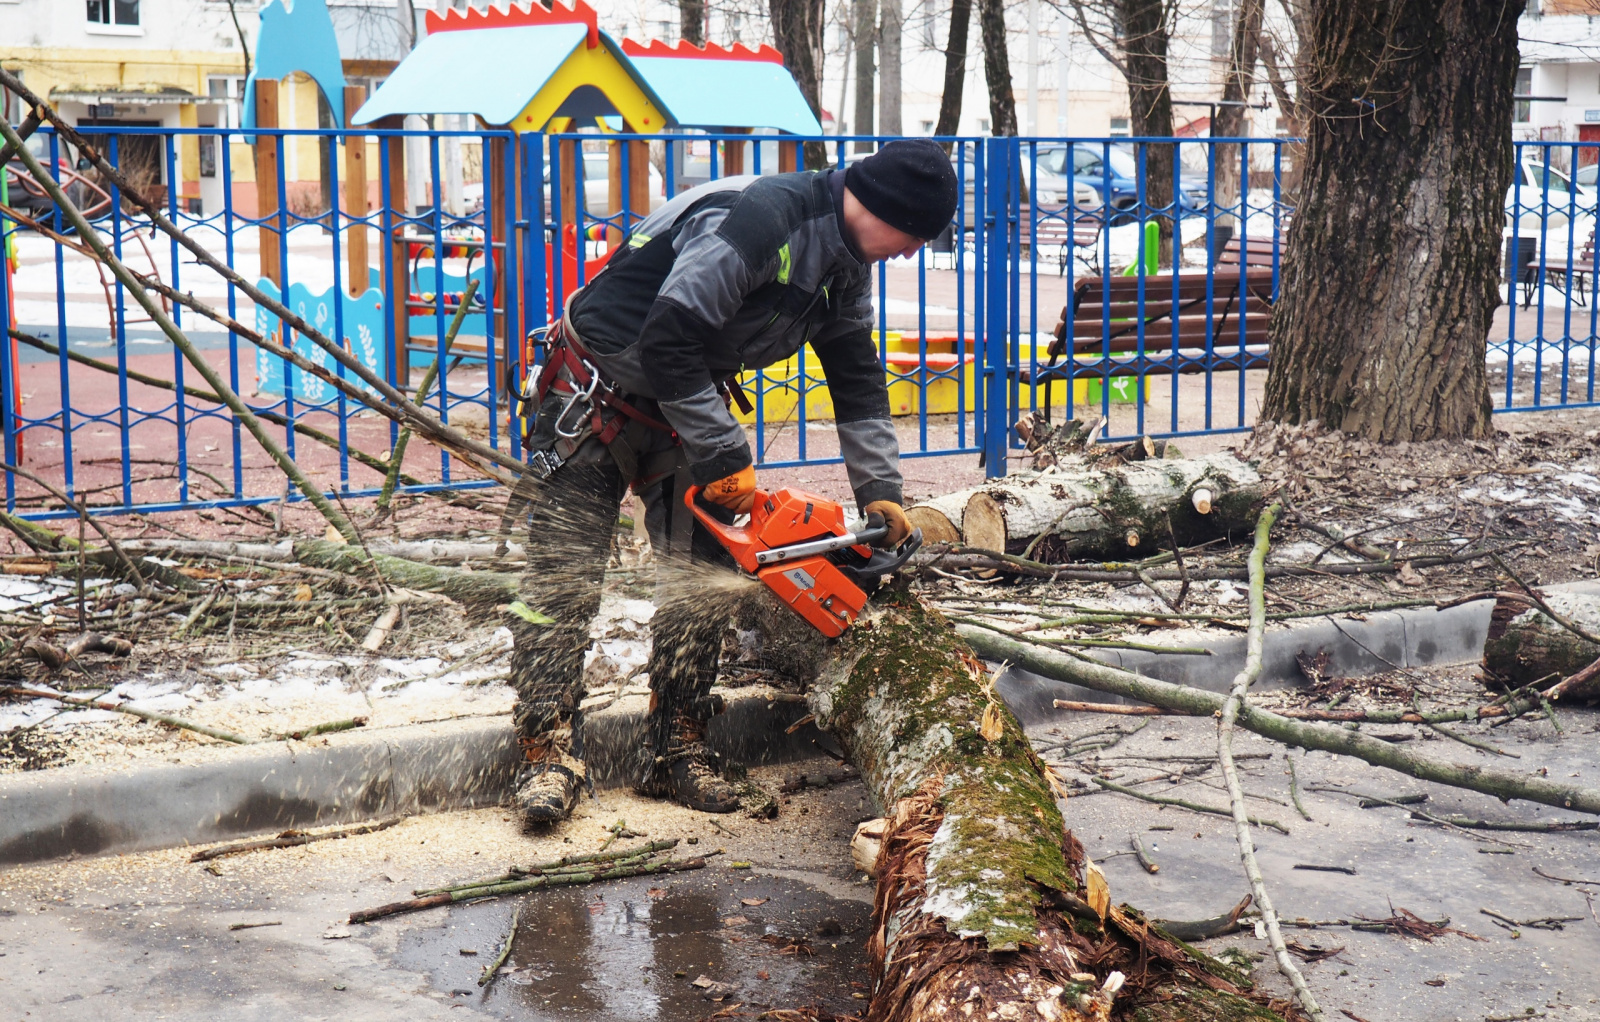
{"x":862,"y":537}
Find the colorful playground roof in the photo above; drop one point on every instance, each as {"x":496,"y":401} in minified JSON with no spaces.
{"x":715,"y":87}
{"x":520,"y":67}
{"x":526,"y":67}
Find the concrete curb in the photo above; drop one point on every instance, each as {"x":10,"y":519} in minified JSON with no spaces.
{"x":85,"y":810}
{"x":1415,"y":637}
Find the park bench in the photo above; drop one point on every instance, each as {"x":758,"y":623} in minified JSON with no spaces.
{"x":1065,"y":237}
{"x":1257,"y":253}
{"x":1191,"y":323}
{"x":1572,"y":278}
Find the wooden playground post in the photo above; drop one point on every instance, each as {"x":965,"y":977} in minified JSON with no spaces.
{"x":639,"y":184}
{"x":394,"y":251}
{"x":733,"y":153}
{"x":496,"y":254}
{"x":567,"y":152}
{"x":614,"y":190}
{"x":788,"y":157}
{"x":268,"y":166}
{"x":355,"y":196}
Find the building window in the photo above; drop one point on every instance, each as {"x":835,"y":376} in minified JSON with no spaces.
{"x":114,"y":12}
{"x":1523,"y":110}
{"x":983,"y":124}
{"x":735,"y":28}
{"x":1120,"y":127}
{"x":927,"y":127}
{"x":1221,"y":27}
{"x":928,"y":27}
{"x":227,"y":92}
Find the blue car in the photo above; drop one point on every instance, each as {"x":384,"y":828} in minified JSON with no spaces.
{"x":1090,"y":162}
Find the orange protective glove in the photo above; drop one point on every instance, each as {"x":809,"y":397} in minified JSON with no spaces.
{"x":737,"y":492}
{"x":894,"y":516}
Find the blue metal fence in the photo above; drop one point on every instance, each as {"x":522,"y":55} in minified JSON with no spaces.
{"x":1076,"y":278}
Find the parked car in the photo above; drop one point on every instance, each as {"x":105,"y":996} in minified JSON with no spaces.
{"x":1541,"y":199}
{"x":1114,"y":169}
{"x":76,"y":176}
{"x":597,"y":185}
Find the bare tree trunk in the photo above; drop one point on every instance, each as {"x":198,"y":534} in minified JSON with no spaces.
{"x":864,"y":22}
{"x":692,"y":21}
{"x":797,"y":33}
{"x":1391,"y":277}
{"x":244,"y":43}
{"x":1144,"y":45}
{"x":1230,"y":120}
{"x":955,"y":68}
{"x":997,"y":68}
{"x":891,"y":26}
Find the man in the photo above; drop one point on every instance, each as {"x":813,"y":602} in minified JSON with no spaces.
{"x":734,"y":275}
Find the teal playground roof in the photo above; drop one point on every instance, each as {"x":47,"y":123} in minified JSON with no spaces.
{"x":490,"y":72}
{"x":712,"y":87}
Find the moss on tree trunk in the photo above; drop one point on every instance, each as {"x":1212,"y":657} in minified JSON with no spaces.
{"x":985,"y":907}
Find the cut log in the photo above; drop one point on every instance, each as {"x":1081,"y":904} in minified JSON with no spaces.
{"x":1108,"y":508}
{"x":1525,"y":645}
{"x":986,"y":906}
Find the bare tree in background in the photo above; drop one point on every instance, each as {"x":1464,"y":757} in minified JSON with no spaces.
{"x":1133,"y":36}
{"x":797,"y":33}
{"x":997,"y":67}
{"x":1392,"y":270}
{"x":955,"y":68}
{"x":1239,"y":80}
{"x":891,"y":29}
{"x":244,"y":42}
{"x":692,"y":21}
{"x":864,"y":34}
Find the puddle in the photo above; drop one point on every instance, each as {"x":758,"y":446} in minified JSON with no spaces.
{"x":614,"y":952}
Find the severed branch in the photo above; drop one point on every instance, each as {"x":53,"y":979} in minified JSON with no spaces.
{"x":310,"y":432}
{"x":1502,"y":784}
{"x":100,"y":704}
{"x":292,"y":839}
{"x":1230,"y":713}
{"x":345,"y":386}
{"x":116,"y":548}
{"x":480,"y":455}
{"x":179,"y":340}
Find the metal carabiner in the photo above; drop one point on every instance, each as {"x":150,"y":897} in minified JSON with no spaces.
{"x":586,"y":395}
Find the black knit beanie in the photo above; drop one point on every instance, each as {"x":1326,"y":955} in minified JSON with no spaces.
{"x":909,"y":185}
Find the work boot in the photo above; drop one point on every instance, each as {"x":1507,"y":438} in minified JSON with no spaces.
{"x":689,"y":772}
{"x":548,"y":783}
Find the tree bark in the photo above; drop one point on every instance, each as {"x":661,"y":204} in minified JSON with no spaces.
{"x":1084,"y":509}
{"x":692,"y":21}
{"x":996,"y":68}
{"x":955,"y":68}
{"x":986,"y":907}
{"x":797,"y":33}
{"x":1230,"y":120}
{"x":891,"y":28}
{"x":1391,"y":276}
{"x":1525,"y":645}
{"x":864,"y":34}
{"x":1145,"y":36}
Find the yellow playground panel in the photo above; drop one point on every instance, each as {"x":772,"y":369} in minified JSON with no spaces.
{"x":778,"y":386}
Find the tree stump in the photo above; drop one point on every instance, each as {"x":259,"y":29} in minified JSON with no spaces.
{"x":1526,"y":646}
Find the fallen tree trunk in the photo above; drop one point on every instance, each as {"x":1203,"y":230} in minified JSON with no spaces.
{"x":986,"y":907}
{"x":1502,"y":784}
{"x":1077,"y":507}
{"x":1526,"y":645}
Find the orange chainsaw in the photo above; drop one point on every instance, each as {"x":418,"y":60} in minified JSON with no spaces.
{"x":798,"y":544}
